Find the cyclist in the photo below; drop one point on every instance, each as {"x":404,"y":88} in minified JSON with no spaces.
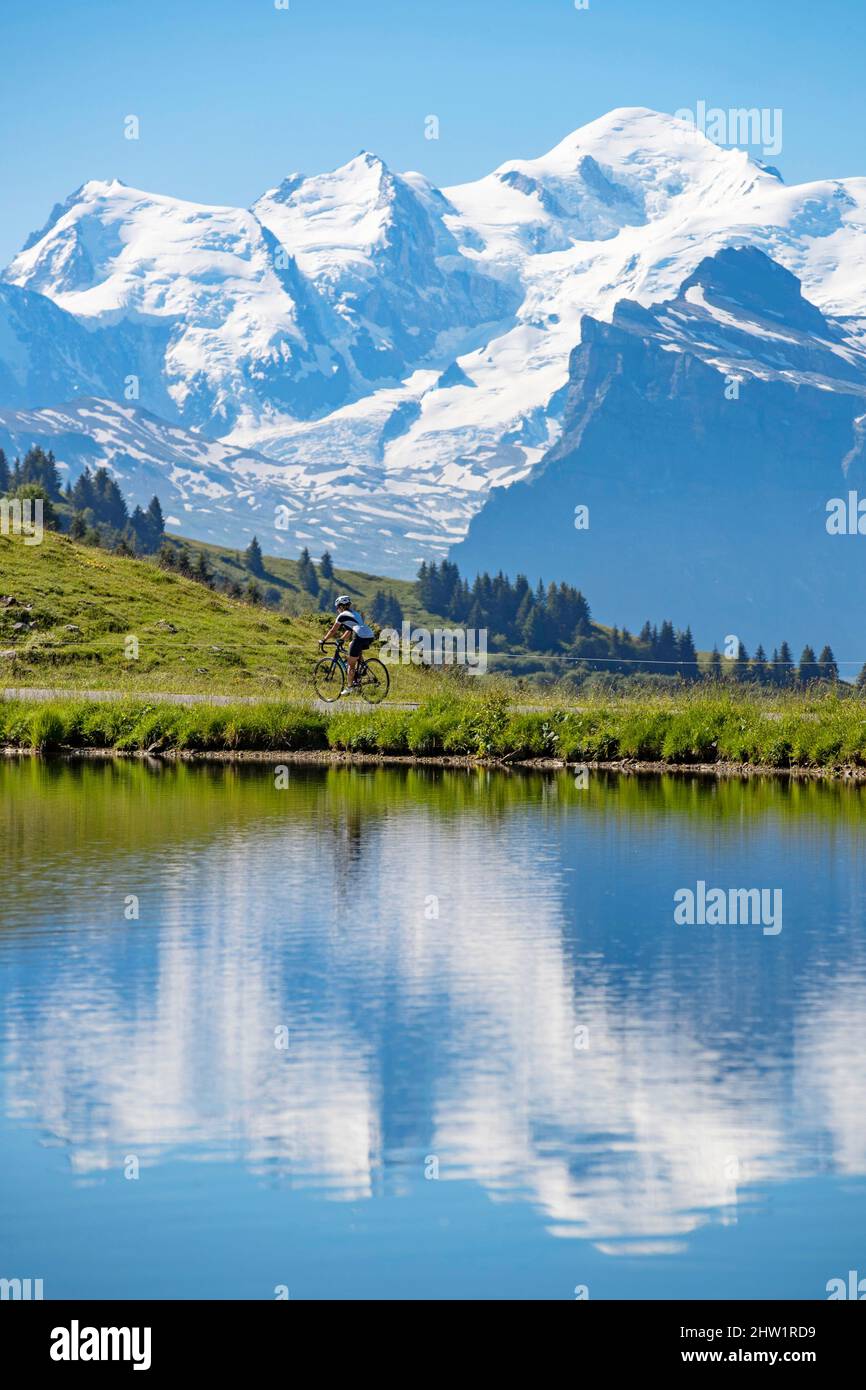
{"x":348,"y":621}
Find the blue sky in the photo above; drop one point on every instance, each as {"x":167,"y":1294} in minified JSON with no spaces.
{"x":234,"y":94}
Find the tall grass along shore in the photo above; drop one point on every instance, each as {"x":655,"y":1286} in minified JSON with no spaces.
{"x":703,"y":727}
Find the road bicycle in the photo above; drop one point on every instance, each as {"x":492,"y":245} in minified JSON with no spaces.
{"x":372,"y":681}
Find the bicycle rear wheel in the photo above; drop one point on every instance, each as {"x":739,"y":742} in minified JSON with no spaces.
{"x":329,"y":677}
{"x":375,"y":682}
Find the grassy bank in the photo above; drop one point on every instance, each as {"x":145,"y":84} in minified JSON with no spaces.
{"x":700,"y":727}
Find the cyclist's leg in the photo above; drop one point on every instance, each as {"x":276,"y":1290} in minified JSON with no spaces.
{"x":355,"y":649}
{"x":356,"y":654}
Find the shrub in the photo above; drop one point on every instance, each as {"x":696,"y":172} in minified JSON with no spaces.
{"x":46,"y":728}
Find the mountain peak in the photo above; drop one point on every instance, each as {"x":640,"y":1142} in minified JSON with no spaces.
{"x":356,"y":180}
{"x":102,"y":185}
{"x":746,"y":278}
{"x":365,"y":166}
{"x":627,"y":131}
{"x":84,"y":193}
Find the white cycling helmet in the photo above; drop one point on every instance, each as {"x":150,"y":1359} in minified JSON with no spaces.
{"x":343,"y":601}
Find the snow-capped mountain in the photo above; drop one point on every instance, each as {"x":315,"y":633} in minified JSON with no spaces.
{"x":705,"y":436}
{"x":377,"y":248}
{"x":220,"y":325}
{"x":397,"y":353}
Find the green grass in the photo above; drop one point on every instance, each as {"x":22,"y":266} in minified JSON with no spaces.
{"x":704,"y":727}
{"x":74,"y":607}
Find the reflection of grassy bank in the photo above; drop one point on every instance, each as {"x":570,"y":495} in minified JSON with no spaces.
{"x":696,"y":728}
{"x":126,"y":806}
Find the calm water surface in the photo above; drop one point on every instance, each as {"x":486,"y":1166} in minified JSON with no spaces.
{"x":478,"y":976}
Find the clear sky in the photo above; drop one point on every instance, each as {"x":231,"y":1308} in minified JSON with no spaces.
{"x":232,"y":95}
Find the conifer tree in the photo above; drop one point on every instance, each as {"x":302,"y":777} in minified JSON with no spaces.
{"x":108,"y":504}
{"x":536,"y":633}
{"x":253,"y":558}
{"x":688,"y":656}
{"x":41,"y":469}
{"x":307,"y":576}
{"x":37,"y":492}
{"x":137,"y":531}
{"x":758,"y":668}
{"x":385,"y":609}
{"x":740,"y":664}
{"x":808,"y":669}
{"x":155,"y":523}
{"x":774,"y":668}
{"x":827,"y":668}
{"x":83,"y":495}
{"x":202,"y":570}
{"x":787,"y":671}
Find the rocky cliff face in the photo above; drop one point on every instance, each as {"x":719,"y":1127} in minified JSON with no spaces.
{"x":706,"y":436}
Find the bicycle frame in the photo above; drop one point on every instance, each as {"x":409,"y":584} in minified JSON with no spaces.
{"x":340,"y":659}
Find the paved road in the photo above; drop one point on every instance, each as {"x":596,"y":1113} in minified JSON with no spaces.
{"x":166,"y":698}
{"x":163,"y":698}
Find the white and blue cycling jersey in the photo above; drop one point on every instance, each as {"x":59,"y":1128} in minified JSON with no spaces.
{"x":354,"y":623}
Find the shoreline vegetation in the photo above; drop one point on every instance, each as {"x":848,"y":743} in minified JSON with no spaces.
{"x":709,"y":731}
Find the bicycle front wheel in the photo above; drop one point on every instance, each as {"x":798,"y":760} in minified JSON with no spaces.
{"x":328,"y":679}
{"x":375,"y":682}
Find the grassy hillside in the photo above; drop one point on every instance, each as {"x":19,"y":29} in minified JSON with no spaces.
{"x":67,"y":610}
{"x":282,"y":587}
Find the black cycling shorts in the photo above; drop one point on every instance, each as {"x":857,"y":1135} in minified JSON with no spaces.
{"x":359,"y":645}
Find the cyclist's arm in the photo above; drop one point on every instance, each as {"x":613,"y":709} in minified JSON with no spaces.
{"x":337,"y":627}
